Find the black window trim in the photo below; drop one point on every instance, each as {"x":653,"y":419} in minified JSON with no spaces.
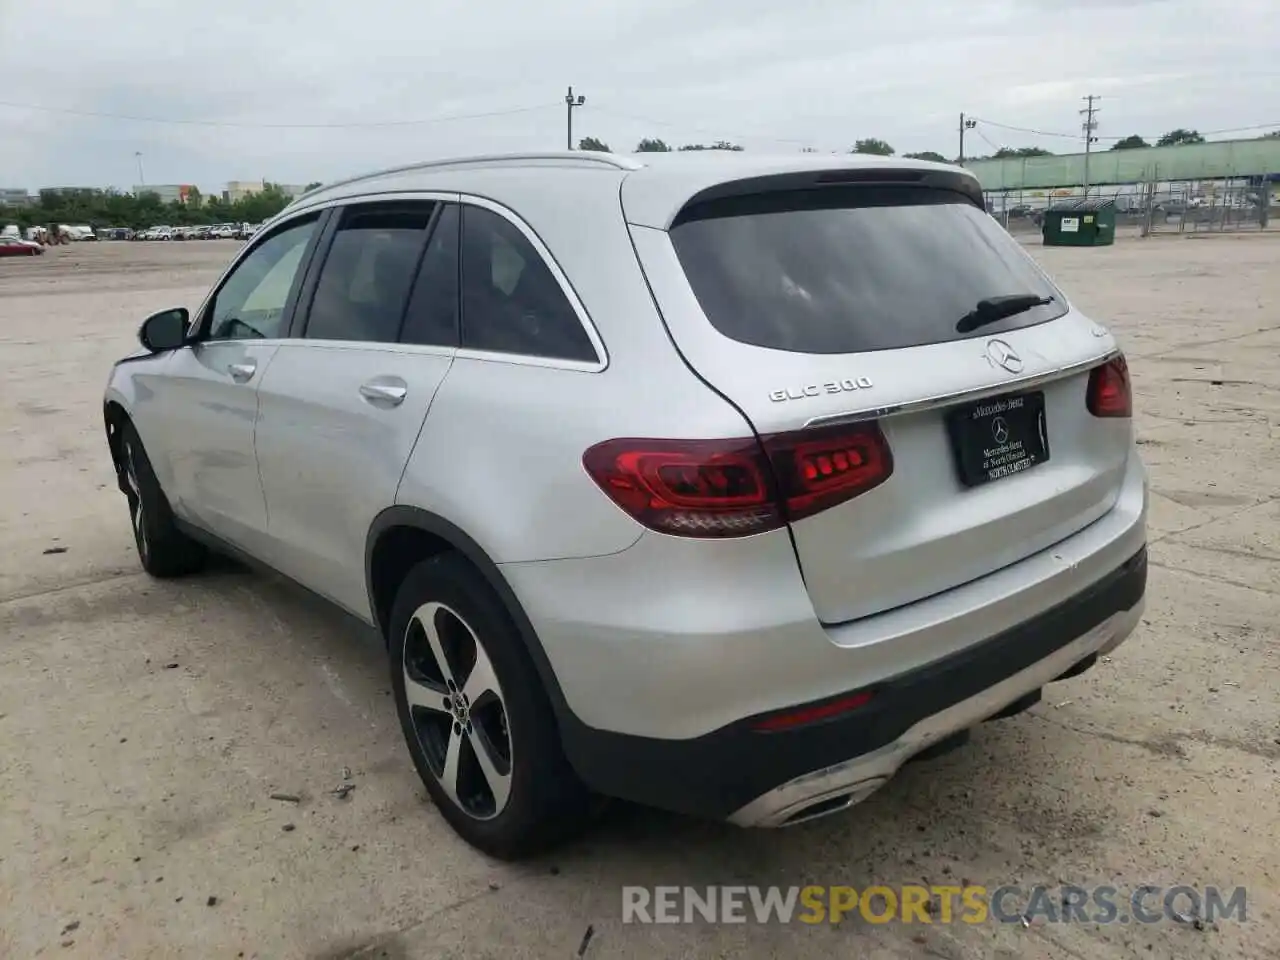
{"x":566,"y":288}
{"x":436,"y":216}
{"x":204,"y":316}
{"x":302,"y":316}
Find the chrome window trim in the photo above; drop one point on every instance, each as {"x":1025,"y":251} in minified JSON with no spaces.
{"x":543,"y":251}
{"x":381,"y":346}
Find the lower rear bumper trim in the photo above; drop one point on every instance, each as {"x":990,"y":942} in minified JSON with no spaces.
{"x":741,"y":774}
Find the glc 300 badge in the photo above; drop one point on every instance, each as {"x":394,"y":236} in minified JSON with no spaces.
{"x":817,"y":389}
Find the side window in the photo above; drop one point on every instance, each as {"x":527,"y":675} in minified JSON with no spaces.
{"x":250,"y":305}
{"x":432,"y":317}
{"x":511,"y":302}
{"x":364,"y":282}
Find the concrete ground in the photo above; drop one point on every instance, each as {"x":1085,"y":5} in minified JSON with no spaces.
{"x":144,"y":725}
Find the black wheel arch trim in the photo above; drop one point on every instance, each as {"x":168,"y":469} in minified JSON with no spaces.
{"x":459,"y":540}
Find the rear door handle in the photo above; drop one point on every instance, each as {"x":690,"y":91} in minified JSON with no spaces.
{"x":240,"y":372}
{"x":389,"y":392}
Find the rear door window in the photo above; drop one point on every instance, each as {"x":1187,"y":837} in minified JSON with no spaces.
{"x":432,"y":316}
{"x":364,"y":283}
{"x":853,"y":269}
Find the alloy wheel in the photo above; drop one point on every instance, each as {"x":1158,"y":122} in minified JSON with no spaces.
{"x":458,"y":711}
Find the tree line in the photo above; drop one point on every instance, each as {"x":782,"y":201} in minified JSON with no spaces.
{"x":111,"y":208}
{"x":878,"y":147}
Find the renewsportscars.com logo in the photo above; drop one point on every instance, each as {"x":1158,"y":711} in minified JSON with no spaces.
{"x":916,"y":903}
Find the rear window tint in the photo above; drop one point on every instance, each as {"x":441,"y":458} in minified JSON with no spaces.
{"x":847,"y":270}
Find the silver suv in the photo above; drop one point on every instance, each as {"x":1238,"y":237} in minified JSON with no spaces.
{"x":718,"y":483}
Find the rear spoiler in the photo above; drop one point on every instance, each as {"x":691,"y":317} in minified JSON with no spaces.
{"x":955,"y":180}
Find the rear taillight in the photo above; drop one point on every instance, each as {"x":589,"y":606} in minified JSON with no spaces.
{"x":1109,"y":392}
{"x":735,"y":488}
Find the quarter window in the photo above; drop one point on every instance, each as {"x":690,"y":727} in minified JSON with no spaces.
{"x":511,"y":301}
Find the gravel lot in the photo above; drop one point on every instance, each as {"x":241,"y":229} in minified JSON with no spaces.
{"x":144,"y":725}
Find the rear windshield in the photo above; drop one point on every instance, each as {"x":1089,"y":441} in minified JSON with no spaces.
{"x":851,"y":269}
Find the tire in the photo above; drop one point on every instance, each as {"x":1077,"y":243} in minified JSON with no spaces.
{"x":164,"y":550}
{"x":529,"y":799}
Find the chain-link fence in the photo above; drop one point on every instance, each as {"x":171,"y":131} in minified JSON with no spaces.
{"x":1196,"y":207}
{"x":1142,"y":209}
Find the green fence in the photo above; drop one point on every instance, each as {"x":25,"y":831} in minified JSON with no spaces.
{"x":1220,"y":160}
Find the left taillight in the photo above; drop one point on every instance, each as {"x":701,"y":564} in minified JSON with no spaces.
{"x":738,"y":487}
{"x":1110,"y":393}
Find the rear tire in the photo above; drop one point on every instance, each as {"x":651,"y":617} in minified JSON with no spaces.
{"x":478,"y":723}
{"x":164,"y":550}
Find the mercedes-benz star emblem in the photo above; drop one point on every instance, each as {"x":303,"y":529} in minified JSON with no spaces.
{"x":1003,"y":355}
{"x":999,"y":430}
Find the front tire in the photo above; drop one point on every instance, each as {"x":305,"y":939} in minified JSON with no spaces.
{"x":478,"y":724}
{"x":164,"y":550}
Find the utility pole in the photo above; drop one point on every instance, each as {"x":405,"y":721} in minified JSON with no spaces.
{"x":142,"y":181}
{"x":1090,"y":125}
{"x":965,"y":125}
{"x":570,"y":101}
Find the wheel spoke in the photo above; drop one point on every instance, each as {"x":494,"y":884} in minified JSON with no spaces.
{"x":424,"y":695}
{"x":499,"y":783}
{"x":426,"y":618}
{"x":482,"y":679}
{"x":452,"y":758}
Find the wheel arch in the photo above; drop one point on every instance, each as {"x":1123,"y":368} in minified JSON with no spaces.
{"x":115,"y":417}
{"x":402,"y":536}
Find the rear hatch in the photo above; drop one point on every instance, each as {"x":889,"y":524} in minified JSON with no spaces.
{"x":901,"y":311}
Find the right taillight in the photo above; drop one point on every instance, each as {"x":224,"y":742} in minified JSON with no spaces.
{"x":739,"y":487}
{"x":1109,"y":391}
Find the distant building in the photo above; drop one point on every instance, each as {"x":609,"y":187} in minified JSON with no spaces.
{"x":239,"y":189}
{"x":167,"y":192}
{"x":15,"y":197}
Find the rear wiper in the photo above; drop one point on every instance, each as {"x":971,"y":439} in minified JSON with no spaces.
{"x":997,"y":308}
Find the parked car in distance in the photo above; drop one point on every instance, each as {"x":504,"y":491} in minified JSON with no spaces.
{"x":881,"y":499}
{"x":11,"y":246}
{"x":222,"y":231}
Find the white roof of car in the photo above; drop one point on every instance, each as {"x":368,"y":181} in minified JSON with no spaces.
{"x":655,"y":186}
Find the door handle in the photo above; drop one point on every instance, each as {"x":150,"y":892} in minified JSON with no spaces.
{"x":392,"y":394}
{"x":240,"y":372}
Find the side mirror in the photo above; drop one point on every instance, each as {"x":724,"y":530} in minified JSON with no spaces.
{"x":166,"y":330}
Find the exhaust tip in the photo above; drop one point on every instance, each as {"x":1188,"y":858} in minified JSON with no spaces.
{"x":832,"y":803}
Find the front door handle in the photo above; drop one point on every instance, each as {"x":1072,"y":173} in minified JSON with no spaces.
{"x":388,"y":392}
{"x":240,"y":372}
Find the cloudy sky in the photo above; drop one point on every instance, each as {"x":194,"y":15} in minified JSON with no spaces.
{"x":295,"y":91}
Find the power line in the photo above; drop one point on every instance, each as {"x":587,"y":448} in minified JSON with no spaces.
{"x":702,"y":130}
{"x":978,"y":131}
{"x":1076,"y":136}
{"x":275,"y":126}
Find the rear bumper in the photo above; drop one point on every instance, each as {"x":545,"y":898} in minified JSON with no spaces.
{"x":777,"y":778}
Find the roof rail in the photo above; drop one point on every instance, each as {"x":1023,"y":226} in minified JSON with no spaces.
{"x":584,"y":157}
